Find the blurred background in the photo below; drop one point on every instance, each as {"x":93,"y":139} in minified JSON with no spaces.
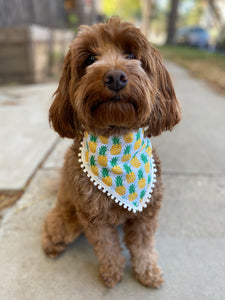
{"x":34,"y":38}
{"x":35,"y":35}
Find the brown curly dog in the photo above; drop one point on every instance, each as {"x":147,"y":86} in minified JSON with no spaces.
{"x":113,"y":82}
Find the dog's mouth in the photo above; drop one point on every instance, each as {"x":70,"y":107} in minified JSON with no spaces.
{"x":113,"y":101}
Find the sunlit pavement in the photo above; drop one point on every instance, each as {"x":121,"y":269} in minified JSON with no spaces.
{"x":191,"y":235}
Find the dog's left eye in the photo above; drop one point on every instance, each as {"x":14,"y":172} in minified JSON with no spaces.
{"x":130,"y":55}
{"x":90,"y":60}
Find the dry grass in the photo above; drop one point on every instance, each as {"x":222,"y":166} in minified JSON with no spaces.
{"x":202,"y":64}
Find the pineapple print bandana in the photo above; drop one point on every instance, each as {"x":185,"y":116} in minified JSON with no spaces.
{"x":121,"y":166}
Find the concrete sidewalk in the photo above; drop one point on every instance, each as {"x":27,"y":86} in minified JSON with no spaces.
{"x":24,"y":132}
{"x":191,"y":236}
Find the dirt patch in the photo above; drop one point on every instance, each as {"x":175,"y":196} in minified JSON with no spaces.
{"x":10,"y":103}
{"x":7,"y":199}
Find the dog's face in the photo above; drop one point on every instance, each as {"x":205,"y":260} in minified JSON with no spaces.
{"x":113,"y":82}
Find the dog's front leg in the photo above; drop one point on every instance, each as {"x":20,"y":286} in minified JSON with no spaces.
{"x":105,"y":241}
{"x":139,"y":238}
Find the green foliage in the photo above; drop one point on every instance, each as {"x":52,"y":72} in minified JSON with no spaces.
{"x":124,"y":8}
{"x":190,"y":12}
{"x":57,"y":56}
{"x":159,"y":18}
{"x":72,"y":18}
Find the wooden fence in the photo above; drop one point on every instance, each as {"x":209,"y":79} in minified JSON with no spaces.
{"x":49,"y":13}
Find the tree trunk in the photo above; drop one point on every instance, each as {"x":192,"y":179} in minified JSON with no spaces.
{"x":172,"y":21}
{"x":146,"y":10}
{"x":217,"y":14}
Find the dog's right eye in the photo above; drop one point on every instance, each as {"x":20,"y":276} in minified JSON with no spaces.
{"x":90,"y":60}
{"x":130,"y":55}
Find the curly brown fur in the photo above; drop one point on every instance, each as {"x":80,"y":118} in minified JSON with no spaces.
{"x":83,"y":102}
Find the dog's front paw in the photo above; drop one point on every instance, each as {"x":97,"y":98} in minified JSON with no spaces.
{"x":60,"y":229}
{"x":53,"y":245}
{"x":111,"y":275}
{"x":151,"y":277}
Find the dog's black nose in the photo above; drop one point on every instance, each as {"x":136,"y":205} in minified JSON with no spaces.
{"x":115,"y":80}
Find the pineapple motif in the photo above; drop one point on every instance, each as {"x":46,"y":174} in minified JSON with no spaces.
{"x":138,"y":141}
{"x":149,"y":179}
{"x":103,"y":139}
{"x":93,"y":165}
{"x":146,"y":162}
{"x":120,"y":188}
{"x":102,"y":159}
{"x":148,"y":149}
{"x":128,"y":138}
{"x":115,"y":168}
{"x":135,"y":161}
{"x":127,"y":154}
{"x":105,"y":177}
{"x":116,"y":147}
{"x":92,"y":143}
{"x":142,"y":195}
{"x":142,"y":146}
{"x":141,"y":179}
{"x":87,"y":153}
{"x":132,"y":194}
{"x":130,"y":177}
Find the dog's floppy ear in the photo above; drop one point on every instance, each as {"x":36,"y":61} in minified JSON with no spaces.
{"x":166,"y":112}
{"x":61,"y":114}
